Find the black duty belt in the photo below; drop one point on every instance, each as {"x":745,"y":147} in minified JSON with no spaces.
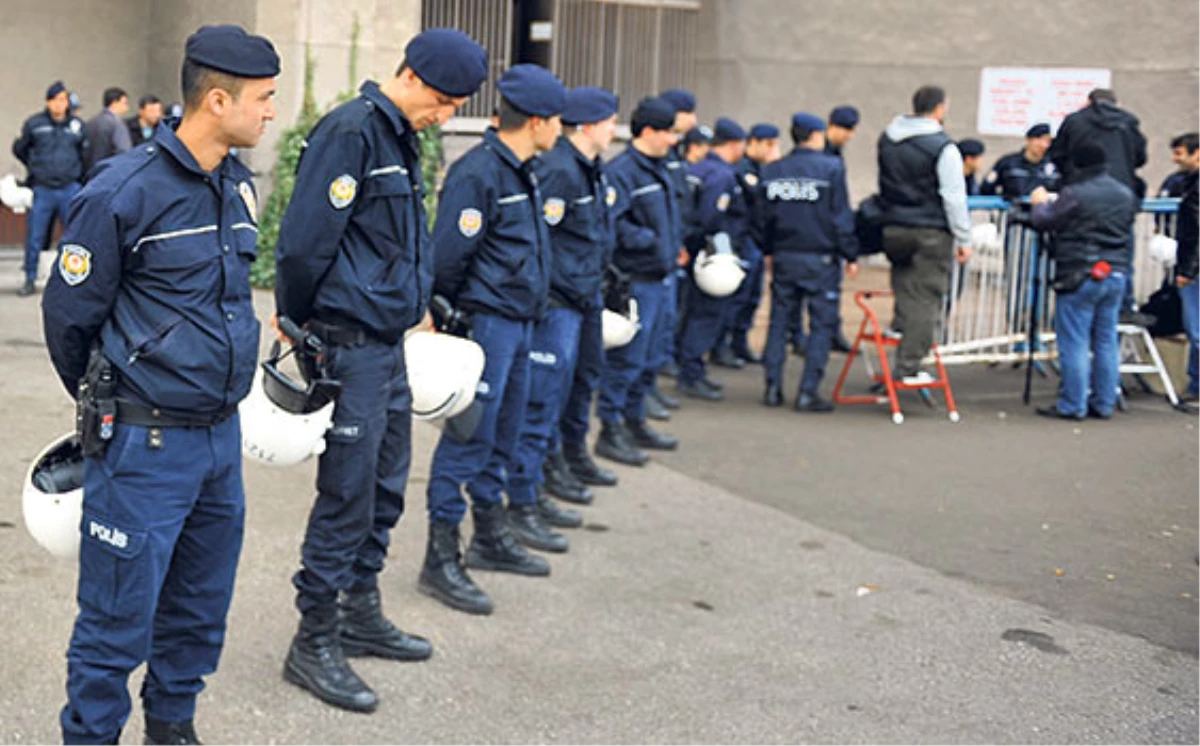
{"x":341,"y":336}
{"x":135,"y":414}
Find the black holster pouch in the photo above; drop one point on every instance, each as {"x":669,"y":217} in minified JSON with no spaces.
{"x":96,"y":406}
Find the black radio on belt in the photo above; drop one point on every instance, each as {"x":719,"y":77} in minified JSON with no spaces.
{"x":96,"y":407}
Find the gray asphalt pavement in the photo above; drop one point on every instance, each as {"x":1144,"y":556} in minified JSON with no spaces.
{"x":778,"y":579}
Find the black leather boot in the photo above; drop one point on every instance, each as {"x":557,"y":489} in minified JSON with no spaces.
{"x":773,"y":395}
{"x":655,"y":410}
{"x":560,"y":482}
{"x":443,"y":576}
{"x":165,"y":732}
{"x":584,"y":468}
{"x":646,"y":437}
{"x":664,"y":398}
{"x":366,"y":631}
{"x":316,"y":662}
{"x":525,"y":522}
{"x":724,"y":357}
{"x":493,"y":547}
{"x":556,"y":516}
{"x":615,"y":444}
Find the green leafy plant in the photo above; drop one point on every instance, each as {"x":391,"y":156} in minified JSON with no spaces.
{"x":433,"y":158}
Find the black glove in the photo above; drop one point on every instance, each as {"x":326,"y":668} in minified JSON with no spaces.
{"x":617,"y":289}
{"x":448,"y":319}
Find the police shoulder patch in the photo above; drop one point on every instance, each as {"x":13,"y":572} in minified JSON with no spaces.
{"x":723,"y":202}
{"x":247,"y":194}
{"x":751,"y":178}
{"x":470,"y":221}
{"x":611,"y":196}
{"x":74,"y":263}
{"x":342,"y":191}
{"x":554,"y":209}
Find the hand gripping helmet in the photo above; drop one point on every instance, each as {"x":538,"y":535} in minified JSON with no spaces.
{"x":284,"y":421}
{"x":718,"y":275}
{"x":52,"y":500}
{"x":443,"y":373}
{"x":619,"y":329}
{"x":1163,"y":249}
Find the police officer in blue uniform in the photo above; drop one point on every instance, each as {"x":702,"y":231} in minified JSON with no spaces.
{"x":355,"y":265}
{"x":493,"y":262}
{"x":1017,"y":174}
{"x":52,"y":146}
{"x":575,"y":197}
{"x":722,"y":208}
{"x":149,"y":322}
{"x":842,"y":121}
{"x":649,"y":235}
{"x":972,"y":153}
{"x":808,"y":229}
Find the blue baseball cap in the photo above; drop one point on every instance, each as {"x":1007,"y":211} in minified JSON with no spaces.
{"x":844,"y":116}
{"x":681,"y":98}
{"x":764,"y":131}
{"x":1038,"y":130}
{"x":447,"y":60}
{"x":970,"y":147}
{"x":533,"y":90}
{"x":231,"y":50}
{"x":726,"y":130}
{"x":805,"y":121}
{"x":587,"y":104}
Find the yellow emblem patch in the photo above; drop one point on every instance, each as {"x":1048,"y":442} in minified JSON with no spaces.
{"x":470,"y":221}
{"x":723,"y":202}
{"x":751,"y":179}
{"x":247,"y":193}
{"x":554,"y":209}
{"x":74,"y":263}
{"x":611,"y":196}
{"x":342,"y":191}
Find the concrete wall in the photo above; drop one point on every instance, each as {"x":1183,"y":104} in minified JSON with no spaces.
{"x":761,"y":60}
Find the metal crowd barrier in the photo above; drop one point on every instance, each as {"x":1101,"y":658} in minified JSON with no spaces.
{"x":1002,"y":297}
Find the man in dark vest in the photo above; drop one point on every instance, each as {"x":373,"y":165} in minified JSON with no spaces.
{"x":926,"y":223}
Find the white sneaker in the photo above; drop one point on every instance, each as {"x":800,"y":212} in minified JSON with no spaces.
{"x":893,"y":334}
{"x":920,"y":378}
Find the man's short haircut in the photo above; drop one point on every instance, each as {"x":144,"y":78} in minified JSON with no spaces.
{"x":1189,"y":141}
{"x":927,"y":98}
{"x":1102,"y":94}
{"x":112,"y":95}
{"x":510,"y":117}
{"x":801,"y":134}
{"x":148,"y":99}
{"x":198,"y":80}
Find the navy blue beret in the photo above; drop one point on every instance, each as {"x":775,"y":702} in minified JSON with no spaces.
{"x":681,"y":98}
{"x":844,"y":116}
{"x":1038,"y":130}
{"x":447,"y":60}
{"x":654,"y":113}
{"x":55,"y":88}
{"x":231,"y":50}
{"x":764,"y":131}
{"x":805,"y":121}
{"x":533,"y":90}
{"x":970,"y":147}
{"x":698,"y":135}
{"x":725,"y":129}
{"x":586,"y":105}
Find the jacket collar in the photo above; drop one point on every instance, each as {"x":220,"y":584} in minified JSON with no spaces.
{"x":169,"y":141}
{"x":370,"y":91}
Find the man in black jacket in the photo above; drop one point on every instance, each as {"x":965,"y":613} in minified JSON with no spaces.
{"x":1186,"y":228}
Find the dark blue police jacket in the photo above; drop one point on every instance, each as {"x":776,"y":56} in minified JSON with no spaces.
{"x":52,"y":151}
{"x":354,"y":247}
{"x":576,"y":196}
{"x":155,"y":263}
{"x":492,"y":247}
{"x":649,"y":232}
{"x":685,"y":188}
{"x":805,"y":206}
{"x":721,"y":205}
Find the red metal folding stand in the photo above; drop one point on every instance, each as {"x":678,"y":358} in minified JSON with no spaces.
{"x":870,"y":332}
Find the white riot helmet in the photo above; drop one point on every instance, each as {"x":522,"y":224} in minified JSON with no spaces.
{"x":443,"y":373}
{"x":619,"y":329}
{"x":718,"y":275}
{"x":986,"y":239}
{"x":284,"y":421}
{"x":1164,"y":249}
{"x":52,"y":499}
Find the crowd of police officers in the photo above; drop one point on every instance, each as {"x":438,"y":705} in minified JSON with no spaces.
{"x":535,"y":237}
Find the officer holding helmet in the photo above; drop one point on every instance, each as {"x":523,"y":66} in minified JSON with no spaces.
{"x":808,"y":229}
{"x":149,"y":322}
{"x":493,"y":264}
{"x":355,"y":266}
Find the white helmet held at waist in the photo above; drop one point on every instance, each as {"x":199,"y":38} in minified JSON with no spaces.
{"x":619,"y":329}
{"x":718,"y":275}
{"x":284,"y":424}
{"x":1163,"y":249}
{"x":52,"y":499}
{"x":16,"y":198}
{"x":986,"y":239}
{"x":443,"y":373}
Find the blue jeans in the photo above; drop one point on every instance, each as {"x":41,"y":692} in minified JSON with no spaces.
{"x":1189,"y":296}
{"x":551,"y":371}
{"x":628,"y":369}
{"x":503,"y":391}
{"x":47,"y":204}
{"x":589,"y":366}
{"x":161,"y":534}
{"x":1086,"y":325}
{"x":361,"y":476}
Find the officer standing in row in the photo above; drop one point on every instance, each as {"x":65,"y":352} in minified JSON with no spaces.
{"x":649,"y":234}
{"x":493,"y":262}
{"x":355,"y":266}
{"x":722,"y":209}
{"x":808,"y":230}
{"x":150,"y":305}
{"x":1017,"y":174}
{"x":575,"y":196}
{"x":842,"y":121}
